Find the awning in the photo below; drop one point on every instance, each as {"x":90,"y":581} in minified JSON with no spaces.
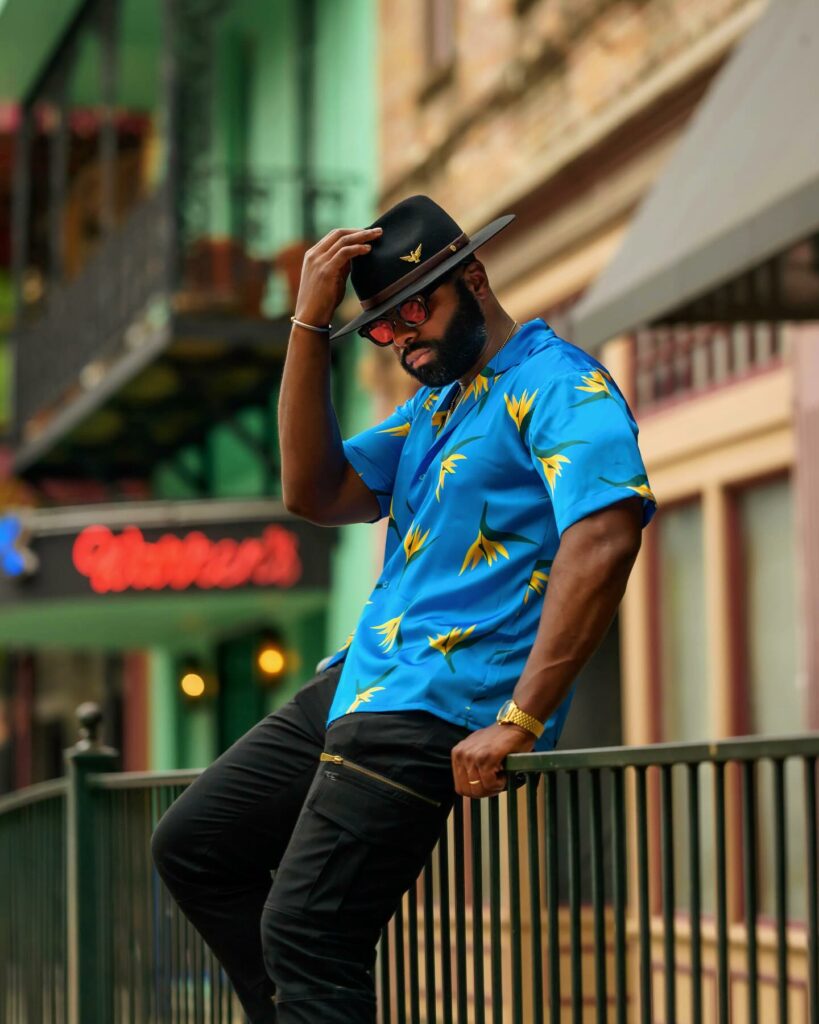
{"x":742,"y":186}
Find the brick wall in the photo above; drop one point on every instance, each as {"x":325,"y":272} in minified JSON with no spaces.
{"x":527,"y":84}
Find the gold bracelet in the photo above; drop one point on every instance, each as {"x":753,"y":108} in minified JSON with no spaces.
{"x":310,"y":327}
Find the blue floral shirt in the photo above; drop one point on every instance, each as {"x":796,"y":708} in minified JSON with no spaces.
{"x":477,"y":503}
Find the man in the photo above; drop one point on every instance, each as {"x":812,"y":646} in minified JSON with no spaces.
{"x":514,"y":467}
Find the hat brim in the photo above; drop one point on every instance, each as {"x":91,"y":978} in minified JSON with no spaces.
{"x":478,"y":239}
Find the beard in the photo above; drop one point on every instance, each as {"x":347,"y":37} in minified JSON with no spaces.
{"x":458,"y":350}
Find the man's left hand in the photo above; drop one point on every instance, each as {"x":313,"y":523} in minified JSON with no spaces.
{"x":477,"y":761}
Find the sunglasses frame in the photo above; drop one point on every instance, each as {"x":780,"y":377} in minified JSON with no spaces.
{"x":422,"y":296}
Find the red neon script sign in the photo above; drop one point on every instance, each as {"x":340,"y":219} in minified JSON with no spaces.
{"x":129,"y":562}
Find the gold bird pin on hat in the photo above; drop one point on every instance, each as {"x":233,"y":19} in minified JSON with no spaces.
{"x":414,"y":256}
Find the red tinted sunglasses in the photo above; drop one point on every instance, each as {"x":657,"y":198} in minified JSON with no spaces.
{"x":413,"y":312}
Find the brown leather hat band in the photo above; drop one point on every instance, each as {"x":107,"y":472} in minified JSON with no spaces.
{"x":416,"y":274}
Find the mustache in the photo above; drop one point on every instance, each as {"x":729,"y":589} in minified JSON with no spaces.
{"x":407,"y":352}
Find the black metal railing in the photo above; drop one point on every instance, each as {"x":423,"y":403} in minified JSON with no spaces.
{"x":33,"y":952}
{"x":209,"y":250}
{"x":154,"y":965}
{"x":651,"y":884}
{"x":85,"y":320}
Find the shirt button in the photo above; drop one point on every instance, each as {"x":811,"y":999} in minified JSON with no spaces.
{"x":421,"y":477}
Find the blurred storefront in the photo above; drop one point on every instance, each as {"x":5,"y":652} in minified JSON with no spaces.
{"x":173,"y":161}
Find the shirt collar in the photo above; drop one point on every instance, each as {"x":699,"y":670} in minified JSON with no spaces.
{"x":532,"y":337}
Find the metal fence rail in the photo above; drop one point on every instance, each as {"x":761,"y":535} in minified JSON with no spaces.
{"x":651,"y":885}
{"x":654,"y":884}
{"x":33,"y":905}
{"x":154,"y":966}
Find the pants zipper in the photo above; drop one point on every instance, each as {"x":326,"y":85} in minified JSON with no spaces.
{"x":337,"y":759}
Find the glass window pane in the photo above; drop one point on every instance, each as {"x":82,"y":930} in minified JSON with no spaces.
{"x":765,"y":515}
{"x":774,"y":684}
{"x":685,"y":696}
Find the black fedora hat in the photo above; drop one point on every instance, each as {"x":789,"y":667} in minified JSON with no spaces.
{"x":420,"y":242}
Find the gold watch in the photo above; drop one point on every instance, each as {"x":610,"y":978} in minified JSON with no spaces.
{"x":511,"y":714}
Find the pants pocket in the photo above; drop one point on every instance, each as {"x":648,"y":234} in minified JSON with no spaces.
{"x":358,"y":845}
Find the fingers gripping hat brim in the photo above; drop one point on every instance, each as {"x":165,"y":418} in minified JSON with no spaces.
{"x":418,"y":284}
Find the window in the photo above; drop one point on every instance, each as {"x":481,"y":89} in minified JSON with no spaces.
{"x":767,"y":670}
{"x":439,"y":39}
{"x":765,"y":574}
{"x":684,"y":693}
{"x":685,"y":699}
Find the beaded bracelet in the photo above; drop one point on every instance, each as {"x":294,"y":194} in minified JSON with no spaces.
{"x":310,"y":327}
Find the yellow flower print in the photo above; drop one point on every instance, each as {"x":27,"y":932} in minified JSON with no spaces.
{"x":413,"y":544}
{"x":444,"y":642}
{"x":552,"y":461}
{"x":447,"y":642}
{"x":480,"y":548}
{"x":448,"y":463}
{"x":538,"y":579}
{"x":391,"y":633}
{"x":477,"y":386}
{"x":520,"y":409}
{"x":430,"y":400}
{"x":638,"y":484}
{"x":366,"y":695}
{"x":439,"y":419}
{"x":347,"y":642}
{"x":447,"y":467}
{"x":364,"y":698}
{"x":490,"y":544}
{"x":595,"y":383}
{"x":400,"y":431}
{"x":553,"y":468}
{"x":414,"y":541}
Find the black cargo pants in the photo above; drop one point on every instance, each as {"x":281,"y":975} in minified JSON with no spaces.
{"x":344,"y":818}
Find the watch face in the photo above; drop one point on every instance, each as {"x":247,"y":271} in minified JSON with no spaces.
{"x":503,"y":709}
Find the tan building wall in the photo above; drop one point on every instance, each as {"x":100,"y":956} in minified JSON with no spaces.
{"x":565,"y":113}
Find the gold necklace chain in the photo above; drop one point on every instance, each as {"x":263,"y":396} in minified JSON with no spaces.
{"x":465,"y":387}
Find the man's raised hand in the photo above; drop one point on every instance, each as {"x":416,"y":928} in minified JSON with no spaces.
{"x":325,"y":270}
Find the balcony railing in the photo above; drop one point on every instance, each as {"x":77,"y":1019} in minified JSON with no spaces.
{"x":85,"y":320}
{"x":662,"y":883}
{"x":681,"y":361}
{"x":229,"y":245}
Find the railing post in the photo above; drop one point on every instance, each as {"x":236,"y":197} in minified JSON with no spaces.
{"x":87,"y":756}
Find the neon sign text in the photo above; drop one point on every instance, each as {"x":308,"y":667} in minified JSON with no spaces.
{"x":114,"y":564}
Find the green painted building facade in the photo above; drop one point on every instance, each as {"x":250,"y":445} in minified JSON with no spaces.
{"x":286,"y":150}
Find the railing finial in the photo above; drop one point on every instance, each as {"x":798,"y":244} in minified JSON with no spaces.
{"x":89,"y":715}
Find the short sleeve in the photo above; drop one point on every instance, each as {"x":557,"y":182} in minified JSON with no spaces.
{"x":374,"y":453}
{"x":582,"y":439}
